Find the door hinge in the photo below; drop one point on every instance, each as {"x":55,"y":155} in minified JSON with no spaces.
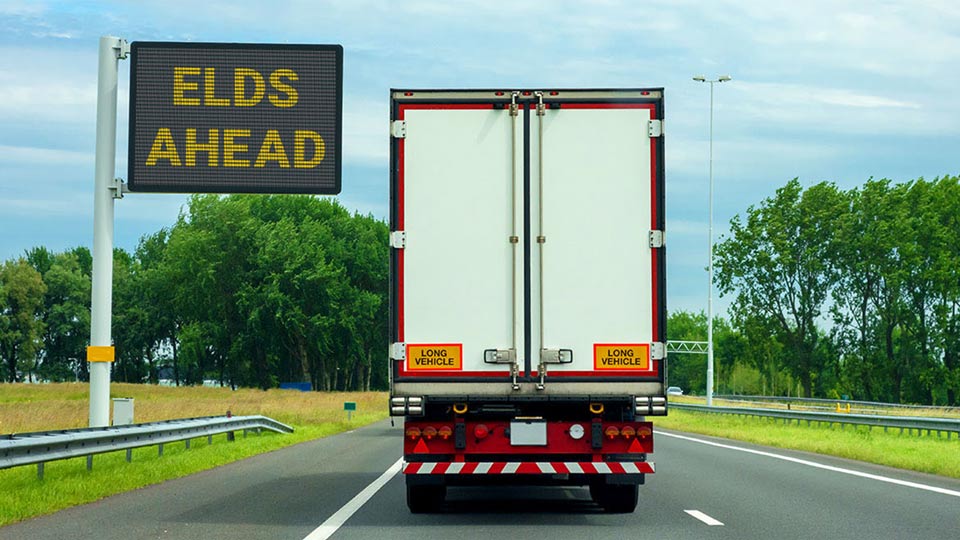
{"x":398,"y":351}
{"x":398,"y":129}
{"x":657,"y":239}
{"x":398,"y":239}
{"x":655,"y":128}
{"x":657,"y":351}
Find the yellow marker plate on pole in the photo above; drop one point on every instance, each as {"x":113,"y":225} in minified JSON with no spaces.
{"x":100,"y":354}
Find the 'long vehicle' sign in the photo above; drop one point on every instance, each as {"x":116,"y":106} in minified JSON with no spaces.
{"x":235,"y":118}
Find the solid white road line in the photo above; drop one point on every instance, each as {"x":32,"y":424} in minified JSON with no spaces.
{"x":915,"y":485}
{"x":703,"y":517}
{"x":340,"y":517}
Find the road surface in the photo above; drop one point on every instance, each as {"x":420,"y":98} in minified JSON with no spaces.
{"x":704,"y":488}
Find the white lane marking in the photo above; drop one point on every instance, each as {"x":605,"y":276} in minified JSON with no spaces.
{"x":887,"y":479}
{"x":703,"y":517}
{"x":340,"y":517}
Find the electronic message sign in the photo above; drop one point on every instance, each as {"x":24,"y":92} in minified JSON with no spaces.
{"x":235,"y":118}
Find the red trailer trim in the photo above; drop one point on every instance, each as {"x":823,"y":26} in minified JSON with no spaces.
{"x":558,"y":373}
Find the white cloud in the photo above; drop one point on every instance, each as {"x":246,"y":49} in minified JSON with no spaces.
{"x":47,"y":156}
{"x":365,"y":130}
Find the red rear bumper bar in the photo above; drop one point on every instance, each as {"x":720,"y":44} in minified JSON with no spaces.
{"x":529,"y":467}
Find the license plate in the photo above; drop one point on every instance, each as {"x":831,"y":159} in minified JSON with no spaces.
{"x":530,"y":433}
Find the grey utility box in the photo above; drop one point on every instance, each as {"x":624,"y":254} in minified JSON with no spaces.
{"x":122,"y":411}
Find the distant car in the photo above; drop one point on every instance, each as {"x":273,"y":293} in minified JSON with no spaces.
{"x":674,"y":391}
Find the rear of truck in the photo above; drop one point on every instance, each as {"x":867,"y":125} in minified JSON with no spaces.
{"x":527,"y":288}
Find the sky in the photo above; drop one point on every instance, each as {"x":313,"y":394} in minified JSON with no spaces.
{"x":837,"y":91}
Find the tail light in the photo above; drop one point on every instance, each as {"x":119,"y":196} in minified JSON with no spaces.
{"x":444,"y":432}
{"x":429,"y":432}
{"x":628,"y":432}
{"x":612,"y":431}
{"x":644,"y":432}
{"x":481,"y":431}
{"x":413,"y":432}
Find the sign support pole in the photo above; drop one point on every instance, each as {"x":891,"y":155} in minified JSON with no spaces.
{"x":100,"y":353}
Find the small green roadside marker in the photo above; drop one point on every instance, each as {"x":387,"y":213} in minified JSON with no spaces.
{"x":349,"y":406}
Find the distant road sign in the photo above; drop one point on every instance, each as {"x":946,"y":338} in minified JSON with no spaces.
{"x":235,"y":118}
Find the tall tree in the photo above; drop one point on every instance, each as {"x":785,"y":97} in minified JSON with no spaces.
{"x":21,"y":327}
{"x":778,"y":264}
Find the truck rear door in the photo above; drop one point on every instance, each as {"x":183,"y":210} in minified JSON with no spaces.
{"x":597,"y":266}
{"x":527,"y":242}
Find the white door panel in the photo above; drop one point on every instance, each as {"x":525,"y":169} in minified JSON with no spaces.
{"x":458,"y":275}
{"x":597,"y":283}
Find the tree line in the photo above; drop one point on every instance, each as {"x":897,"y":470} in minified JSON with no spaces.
{"x":841,"y":292}
{"x":243,"y":290}
{"x":835,"y":293}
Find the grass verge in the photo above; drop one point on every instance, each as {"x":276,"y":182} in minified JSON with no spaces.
{"x":928,"y":453}
{"x":67,"y":483}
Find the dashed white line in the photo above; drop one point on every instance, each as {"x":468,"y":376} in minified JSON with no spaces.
{"x":340,"y":517}
{"x":704,"y":518}
{"x":887,"y":479}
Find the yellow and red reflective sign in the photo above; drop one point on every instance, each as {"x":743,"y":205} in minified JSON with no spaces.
{"x":621,"y":356}
{"x":435,"y":357}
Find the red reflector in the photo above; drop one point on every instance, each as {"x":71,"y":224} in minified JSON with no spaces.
{"x":526,"y":93}
{"x":429,"y":432}
{"x":628,"y":432}
{"x":445,"y":432}
{"x":644,"y":93}
{"x":612,"y":431}
{"x":481,"y":431}
{"x":554,"y":93}
{"x":421,"y":447}
{"x":635,"y":447}
{"x":413,"y":432}
{"x":408,"y":93}
{"x":498,"y":93}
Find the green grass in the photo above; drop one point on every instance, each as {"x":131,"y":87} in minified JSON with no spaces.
{"x":67,"y":483}
{"x":927,"y":453}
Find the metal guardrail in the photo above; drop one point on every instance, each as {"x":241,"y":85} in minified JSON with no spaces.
{"x":874,"y":404}
{"x":40,"y":447}
{"x":910,"y":423}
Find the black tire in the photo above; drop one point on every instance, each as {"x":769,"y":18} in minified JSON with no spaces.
{"x":425,"y":499}
{"x":615,"y":498}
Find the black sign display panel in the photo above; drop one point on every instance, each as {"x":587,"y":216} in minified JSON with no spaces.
{"x":235,"y":118}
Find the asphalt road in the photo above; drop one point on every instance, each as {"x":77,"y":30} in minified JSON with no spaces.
{"x":289,"y":493}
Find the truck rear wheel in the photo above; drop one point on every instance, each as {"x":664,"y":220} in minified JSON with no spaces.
{"x":615,"y":498}
{"x":425,"y":499}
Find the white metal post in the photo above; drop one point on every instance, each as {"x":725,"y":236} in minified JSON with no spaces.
{"x":101,"y":302}
{"x":710,"y":270}
{"x":701,"y":78}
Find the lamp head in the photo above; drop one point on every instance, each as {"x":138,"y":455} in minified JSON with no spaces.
{"x":700,"y":78}
{"x":725,"y":78}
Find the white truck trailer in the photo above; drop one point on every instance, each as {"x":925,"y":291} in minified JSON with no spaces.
{"x":527,"y":288}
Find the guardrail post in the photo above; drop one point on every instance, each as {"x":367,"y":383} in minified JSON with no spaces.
{"x":90,"y":463}
{"x":40,"y":471}
{"x":231,"y":436}
{"x":129,"y":455}
{"x":160,"y":450}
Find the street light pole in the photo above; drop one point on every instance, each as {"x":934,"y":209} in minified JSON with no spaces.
{"x":720,"y":79}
